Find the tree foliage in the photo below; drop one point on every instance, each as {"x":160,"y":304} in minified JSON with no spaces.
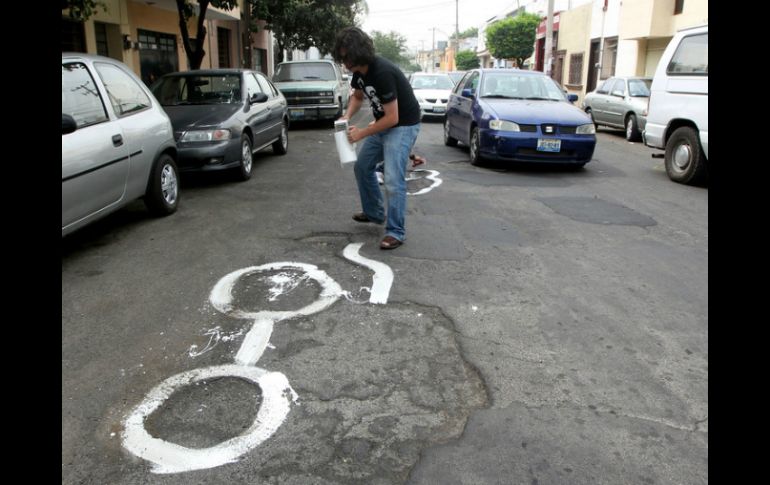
{"x":468,"y":33}
{"x":82,"y":10}
{"x":301,"y":24}
{"x":466,"y":60}
{"x":513,"y":38}
{"x":391,"y":46}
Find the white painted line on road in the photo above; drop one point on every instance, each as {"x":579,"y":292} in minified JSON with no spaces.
{"x":383,"y":275}
{"x":172,"y":458}
{"x":433,"y":176}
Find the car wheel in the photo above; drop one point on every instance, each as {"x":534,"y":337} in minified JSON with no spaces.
{"x":247,"y":159}
{"x":281,"y":146}
{"x":448,"y":140}
{"x":162,"y":195}
{"x":632,"y":128}
{"x":685,"y":160}
{"x":475,"y":149}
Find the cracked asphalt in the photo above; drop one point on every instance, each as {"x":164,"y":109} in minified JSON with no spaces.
{"x":544,"y":325}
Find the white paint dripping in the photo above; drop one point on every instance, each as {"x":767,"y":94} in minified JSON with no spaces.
{"x":433,"y":176}
{"x":216,"y":335}
{"x":383,"y":275}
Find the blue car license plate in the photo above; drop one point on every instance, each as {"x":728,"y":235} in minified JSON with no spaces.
{"x":296,"y":113}
{"x":548,"y":145}
{"x":439,"y":109}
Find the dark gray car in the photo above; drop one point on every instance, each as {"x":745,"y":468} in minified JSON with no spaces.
{"x":620,"y":102}
{"x":222,"y":116}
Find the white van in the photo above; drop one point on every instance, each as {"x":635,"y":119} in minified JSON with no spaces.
{"x":678,"y":114}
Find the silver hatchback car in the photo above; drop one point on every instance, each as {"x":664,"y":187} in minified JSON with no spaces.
{"x":117,"y":143}
{"x":620,"y":102}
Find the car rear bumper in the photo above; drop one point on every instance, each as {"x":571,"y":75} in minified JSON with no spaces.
{"x":522,"y":147}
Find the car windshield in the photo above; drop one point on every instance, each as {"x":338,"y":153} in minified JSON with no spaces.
{"x":304,"y":71}
{"x":199,"y":89}
{"x":507,"y":85}
{"x":639,"y":87}
{"x":432,"y":82}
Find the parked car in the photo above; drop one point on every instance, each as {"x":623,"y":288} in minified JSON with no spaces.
{"x":315,"y":89}
{"x":620,"y":102}
{"x":517,"y":115}
{"x":678,"y":118}
{"x":222,"y":116}
{"x":117,"y":143}
{"x":432,"y":92}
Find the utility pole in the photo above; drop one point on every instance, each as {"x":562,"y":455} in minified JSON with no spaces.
{"x":549,"y":39}
{"x":433,"y":52}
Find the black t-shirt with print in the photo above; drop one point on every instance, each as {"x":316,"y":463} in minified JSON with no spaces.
{"x":383,"y":83}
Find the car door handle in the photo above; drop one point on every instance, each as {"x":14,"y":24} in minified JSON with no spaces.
{"x":117,"y":140}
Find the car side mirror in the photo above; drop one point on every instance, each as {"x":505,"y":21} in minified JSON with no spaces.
{"x":467,"y":93}
{"x":68,"y":124}
{"x":572,"y":97}
{"x":258,"y":98}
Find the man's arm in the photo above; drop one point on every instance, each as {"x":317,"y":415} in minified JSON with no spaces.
{"x":354,"y":104}
{"x":388,"y":121}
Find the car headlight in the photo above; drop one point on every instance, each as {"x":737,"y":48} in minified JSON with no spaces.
{"x":206,"y":135}
{"x":419,"y":98}
{"x":588,"y":129}
{"x":501,"y":125}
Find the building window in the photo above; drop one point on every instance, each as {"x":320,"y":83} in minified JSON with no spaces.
{"x":260,"y":59}
{"x":609,"y":57}
{"x":223,"y":40}
{"x":100,"y":30}
{"x":576,"y":69}
{"x":157,"y":55}
{"x":73,"y":38}
{"x":678,"y":6}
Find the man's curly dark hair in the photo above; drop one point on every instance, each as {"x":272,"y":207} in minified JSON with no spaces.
{"x":358,"y":47}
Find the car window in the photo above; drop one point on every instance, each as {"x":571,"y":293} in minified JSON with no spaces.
{"x":459,"y":86}
{"x":432,"y":82}
{"x":252,"y":86}
{"x":619,"y":88}
{"x":302,"y":71}
{"x":639,"y":87}
{"x":266,"y":88}
{"x":472,"y":83}
{"x":198,"y":89}
{"x":691,"y":57}
{"x":126,"y":96}
{"x":79,"y":95}
{"x":605,"y":86}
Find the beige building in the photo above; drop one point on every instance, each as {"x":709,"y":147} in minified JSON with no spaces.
{"x":646,"y":27}
{"x":572,"y":52}
{"x":146,"y":37}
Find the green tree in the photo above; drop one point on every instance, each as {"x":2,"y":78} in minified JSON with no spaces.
{"x":390,"y":46}
{"x":513,"y":38}
{"x":472,"y":32}
{"x":301,"y":24}
{"x":194,"y":47}
{"x":466,"y":60}
{"x":82,"y":10}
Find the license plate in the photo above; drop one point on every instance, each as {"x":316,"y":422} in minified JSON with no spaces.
{"x":439,"y":110}
{"x":548,"y":145}
{"x":296,"y":113}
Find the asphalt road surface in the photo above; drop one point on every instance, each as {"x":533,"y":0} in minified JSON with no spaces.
{"x":543,"y":325}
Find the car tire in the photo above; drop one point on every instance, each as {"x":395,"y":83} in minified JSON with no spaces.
{"x":162,"y":194}
{"x":448,"y":140}
{"x":247,"y":159}
{"x":281,"y":145}
{"x":632,"y":128}
{"x":475,"y":147}
{"x":685,"y":160}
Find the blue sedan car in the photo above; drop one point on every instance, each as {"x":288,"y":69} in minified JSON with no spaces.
{"x":515,"y":115}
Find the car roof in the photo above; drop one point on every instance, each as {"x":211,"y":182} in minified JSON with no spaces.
{"x":88,"y":57}
{"x":511,"y":71}
{"x":307,"y":60}
{"x":208,"y":72}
